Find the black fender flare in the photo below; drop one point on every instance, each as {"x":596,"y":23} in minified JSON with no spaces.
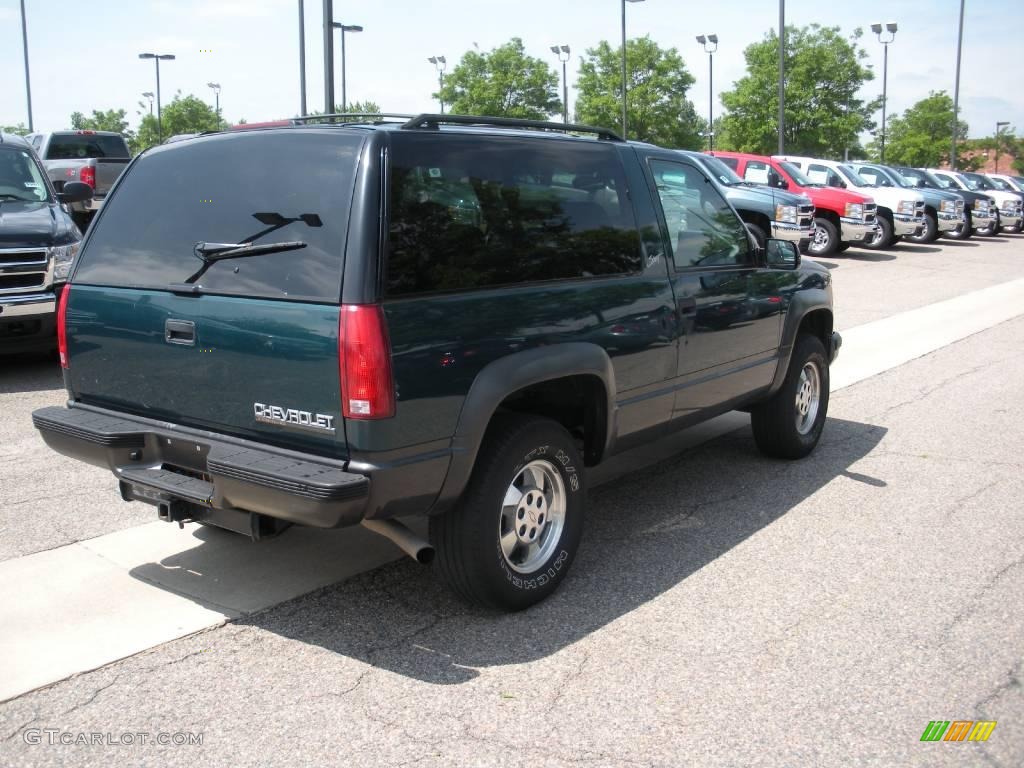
{"x":510,"y":374}
{"x":807,"y":300}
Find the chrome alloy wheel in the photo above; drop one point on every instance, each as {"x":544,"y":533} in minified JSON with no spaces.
{"x":532,"y":516}
{"x":820,"y":241}
{"x":808,"y":396}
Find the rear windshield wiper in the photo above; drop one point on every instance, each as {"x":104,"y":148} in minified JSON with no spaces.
{"x":211,"y":253}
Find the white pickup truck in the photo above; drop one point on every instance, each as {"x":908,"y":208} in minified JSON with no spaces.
{"x":95,"y":158}
{"x":900,"y":210}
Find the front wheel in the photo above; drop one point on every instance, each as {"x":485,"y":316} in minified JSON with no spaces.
{"x":962,"y":231}
{"x":789,"y":425}
{"x":759,"y":234}
{"x":511,"y":538}
{"x":929,"y":232}
{"x":826,"y":238}
{"x":883,"y":235}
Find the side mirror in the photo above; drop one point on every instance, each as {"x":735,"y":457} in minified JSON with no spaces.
{"x":778,"y":182}
{"x":75,"y":192}
{"x":781,"y":254}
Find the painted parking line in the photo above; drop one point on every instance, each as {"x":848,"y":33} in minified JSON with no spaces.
{"x":81,"y":606}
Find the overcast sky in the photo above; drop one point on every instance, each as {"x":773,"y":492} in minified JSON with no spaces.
{"x":84,"y":55}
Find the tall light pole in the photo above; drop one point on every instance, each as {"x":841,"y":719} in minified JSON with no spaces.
{"x":710,"y":43}
{"x":999,"y":124}
{"x":558,"y":50}
{"x":302,"y":57}
{"x":328,"y":57}
{"x":149,"y":95}
{"x":624,"y":63}
{"x":885,"y":38}
{"x":782,"y":77}
{"x":157,"y":57}
{"x":439,"y":62}
{"x":344,"y":28}
{"x":28,"y":84}
{"x":216,"y":93}
{"x":956,"y":88}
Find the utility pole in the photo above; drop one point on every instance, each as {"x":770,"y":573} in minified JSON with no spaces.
{"x":302,"y":58}
{"x":782,"y":77}
{"x":28,"y":84}
{"x":956,"y":88}
{"x":328,"y":57}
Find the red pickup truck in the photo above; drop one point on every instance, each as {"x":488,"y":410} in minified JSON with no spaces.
{"x":842,"y":218}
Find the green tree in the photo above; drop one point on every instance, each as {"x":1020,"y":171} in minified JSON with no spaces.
{"x":356,"y":108}
{"x":657,"y":108}
{"x":824,"y":72}
{"x":503,"y":82}
{"x":111,"y":120}
{"x":920,"y":137}
{"x":18,"y":130}
{"x":185,"y":114}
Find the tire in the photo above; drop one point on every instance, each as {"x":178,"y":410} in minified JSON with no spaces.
{"x":843,"y":247}
{"x":826,"y":238}
{"x":896,"y":239}
{"x":988,"y":231}
{"x":883,"y":239}
{"x":930,"y":231}
{"x":518,"y":451}
{"x":778,"y":431}
{"x":963,"y":231}
{"x":759,"y":234}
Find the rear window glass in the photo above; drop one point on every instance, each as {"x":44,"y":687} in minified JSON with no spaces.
{"x":258,"y":187}
{"x":469,"y":214}
{"x":82,"y":146}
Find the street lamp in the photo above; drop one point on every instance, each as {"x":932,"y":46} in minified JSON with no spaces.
{"x":157,"y":57}
{"x":624,"y":63}
{"x":710,"y":43}
{"x":999,"y":125}
{"x":439,"y":63}
{"x":149,"y":95}
{"x":890,"y":28}
{"x":28,"y":84}
{"x":344,"y":28}
{"x":216,"y":91}
{"x":956,"y":88}
{"x":558,"y":50}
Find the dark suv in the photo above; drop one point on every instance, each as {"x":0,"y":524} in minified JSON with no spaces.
{"x":339,"y":324}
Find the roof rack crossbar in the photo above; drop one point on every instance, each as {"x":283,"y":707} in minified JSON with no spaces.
{"x":433,"y":121}
{"x":333,"y":115}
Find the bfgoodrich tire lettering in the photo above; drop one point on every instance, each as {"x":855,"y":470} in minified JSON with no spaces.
{"x":483,"y":559}
{"x":789,"y":425}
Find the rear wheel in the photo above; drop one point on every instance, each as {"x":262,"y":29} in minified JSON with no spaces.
{"x":512,"y":536}
{"x":883,"y":235}
{"x":789,"y":425}
{"x":929,"y":232}
{"x":826,"y":238}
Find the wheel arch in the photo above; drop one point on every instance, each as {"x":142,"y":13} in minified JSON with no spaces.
{"x":809,"y":312}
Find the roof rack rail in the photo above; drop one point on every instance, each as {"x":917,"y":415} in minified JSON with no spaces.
{"x":433,"y":121}
{"x":334,"y":115}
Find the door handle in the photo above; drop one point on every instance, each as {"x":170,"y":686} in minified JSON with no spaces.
{"x":180,"y":332}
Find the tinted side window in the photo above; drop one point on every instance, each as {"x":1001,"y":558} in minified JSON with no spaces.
{"x":732,"y":162}
{"x":470,"y":212}
{"x":702,"y":228}
{"x":261,"y":187}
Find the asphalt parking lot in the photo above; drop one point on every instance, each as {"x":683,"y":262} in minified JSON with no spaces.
{"x":724,"y":610}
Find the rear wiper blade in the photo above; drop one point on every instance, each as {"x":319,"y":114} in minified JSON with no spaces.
{"x":211,"y":253}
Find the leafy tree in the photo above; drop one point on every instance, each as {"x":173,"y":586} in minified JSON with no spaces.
{"x":824,"y":72}
{"x":503,"y":82}
{"x":657,"y":108}
{"x":185,"y":114}
{"x":356,"y":107}
{"x":19,"y":129}
{"x":920,"y":137}
{"x":111,"y":120}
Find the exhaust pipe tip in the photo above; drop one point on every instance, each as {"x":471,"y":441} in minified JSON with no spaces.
{"x":405,"y":539}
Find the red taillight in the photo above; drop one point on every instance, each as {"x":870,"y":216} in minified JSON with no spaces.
{"x":62,"y":329}
{"x":364,"y":359}
{"x":88,"y":176}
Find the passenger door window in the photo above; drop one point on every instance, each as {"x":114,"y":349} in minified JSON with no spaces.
{"x":822,"y":174}
{"x":703,"y":230}
{"x":757,"y":172}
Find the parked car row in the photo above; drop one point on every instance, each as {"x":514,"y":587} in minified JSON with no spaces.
{"x":876,"y":206}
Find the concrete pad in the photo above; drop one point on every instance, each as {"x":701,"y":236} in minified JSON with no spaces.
{"x":875,"y":347}
{"x":69,"y":610}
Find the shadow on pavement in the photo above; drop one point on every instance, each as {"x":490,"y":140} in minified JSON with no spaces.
{"x":854,"y":254}
{"x":958,"y":243}
{"x":647,"y":531}
{"x":29,"y":373}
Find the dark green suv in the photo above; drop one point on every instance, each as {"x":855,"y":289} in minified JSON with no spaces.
{"x":338,"y":324}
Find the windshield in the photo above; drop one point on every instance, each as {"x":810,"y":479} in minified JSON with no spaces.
{"x":797,"y":175}
{"x":976,"y":181}
{"x":20,"y":177}
{"x":853,"y":177}
{"x":80,"y":146}
{"x":722,"y":172}
{"x":1002,"y":185}
{"x":915,"y":178}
